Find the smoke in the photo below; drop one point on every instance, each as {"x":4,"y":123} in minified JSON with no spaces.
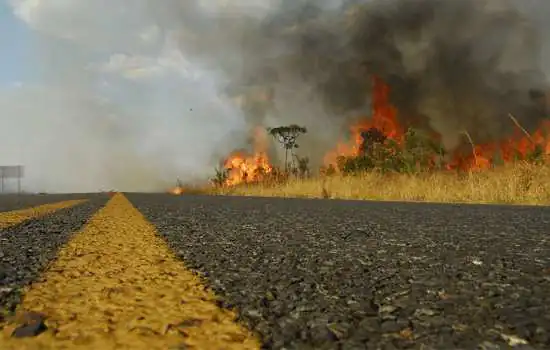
{"x":454,"y":66}
{"x":148,"y":91}
{"x":107,"y":101}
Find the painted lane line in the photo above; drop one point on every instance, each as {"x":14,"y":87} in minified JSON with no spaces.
{"x":117,"y":285}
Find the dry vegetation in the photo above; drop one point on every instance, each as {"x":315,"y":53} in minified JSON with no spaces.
{"x":413,"y":168}
{"x":385,"y":161}
{"x":517,"y":183}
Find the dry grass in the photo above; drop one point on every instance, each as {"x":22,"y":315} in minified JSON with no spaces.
{"x":520,"y":183}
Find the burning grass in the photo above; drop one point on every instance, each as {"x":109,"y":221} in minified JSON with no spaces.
{"x":384,"y":160}
{"x":518,"y":183}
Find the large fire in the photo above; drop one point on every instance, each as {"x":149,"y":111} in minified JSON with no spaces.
{"x":247,"y":167}
{"x":481,"y":156}
{"x":384,"y":118}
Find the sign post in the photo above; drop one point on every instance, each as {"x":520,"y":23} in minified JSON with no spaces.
{"x":11,"y":172}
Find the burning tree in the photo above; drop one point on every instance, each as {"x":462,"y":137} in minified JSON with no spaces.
{"x":371,"y":137}
{"x":414,"y":152}
{"x":287,"y":137}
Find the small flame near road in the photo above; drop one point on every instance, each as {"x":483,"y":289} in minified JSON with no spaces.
{"x":178,"y":189}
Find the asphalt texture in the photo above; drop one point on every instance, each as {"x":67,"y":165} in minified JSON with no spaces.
{"x":328,"y":274}
{"x":9,"y":202}
{"x":27,"y":248}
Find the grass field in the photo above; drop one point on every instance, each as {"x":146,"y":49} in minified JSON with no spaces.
{"x":519,"y":183}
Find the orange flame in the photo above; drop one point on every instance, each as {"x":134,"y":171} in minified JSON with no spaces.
{"x":243,"y":167}
{"x":246,"y":167}
{"x":178,"y":190}
{"x":384,"y":118}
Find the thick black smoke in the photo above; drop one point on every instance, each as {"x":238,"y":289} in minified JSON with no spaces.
{"x":453,"y":65}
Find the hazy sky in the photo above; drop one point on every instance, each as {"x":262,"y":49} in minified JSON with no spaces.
{"x":93,"y":95}
{"x":14,"y":36}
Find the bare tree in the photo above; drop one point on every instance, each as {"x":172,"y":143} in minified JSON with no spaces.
{"x":287,"y":136}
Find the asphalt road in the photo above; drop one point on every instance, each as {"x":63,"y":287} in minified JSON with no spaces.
{"x":312,"y":274}
{"x":27,"y":248}
{"x":11,"y":201}
{"x":328,"y":274}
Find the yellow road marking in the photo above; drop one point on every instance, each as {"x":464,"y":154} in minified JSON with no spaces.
{"x":116,"y":285}
{"x":11,"y":218}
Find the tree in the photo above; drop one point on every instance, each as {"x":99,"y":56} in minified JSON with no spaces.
{"x":287,"y":136}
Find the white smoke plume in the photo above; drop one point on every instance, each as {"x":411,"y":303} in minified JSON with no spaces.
{"x":113,"y":104}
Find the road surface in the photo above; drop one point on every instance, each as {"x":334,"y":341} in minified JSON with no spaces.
{"x":155,"y":271}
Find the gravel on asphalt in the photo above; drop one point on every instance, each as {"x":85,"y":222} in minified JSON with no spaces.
{"x":15,"y":217}
{"x":117,"y":285}
{"x":27,"y":248}
{"x":330,"y":274}
{"x":9,"y":202}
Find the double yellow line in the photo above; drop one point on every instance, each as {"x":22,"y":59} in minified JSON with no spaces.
{"x":116,"y":285}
